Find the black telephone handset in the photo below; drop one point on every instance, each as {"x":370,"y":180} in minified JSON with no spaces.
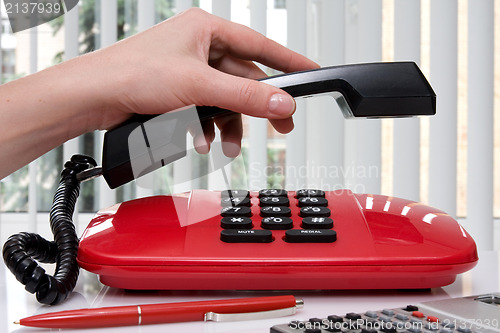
{"x":374,"y":90}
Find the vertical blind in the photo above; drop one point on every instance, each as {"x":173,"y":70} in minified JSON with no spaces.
{"x":414,"y":158}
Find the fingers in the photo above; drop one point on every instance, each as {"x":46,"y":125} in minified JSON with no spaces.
{"x":245,"y":43}
{"x":283,"y":126}
{"x":231,"y":130}
{"x":239,"y":67}
{"x":242,"y":95}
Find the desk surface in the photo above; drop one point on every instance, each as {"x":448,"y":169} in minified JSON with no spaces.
{"x":16,"y":303}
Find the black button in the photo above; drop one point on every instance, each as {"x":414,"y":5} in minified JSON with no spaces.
{"x":235,"y":193}
{"x":310,"y":211}
{"x":335,"y":318}
{"x":274,"y":201}
{"x":246,"y":236}
{"x":276,"y":211}
{"x":236,"y":223}
{"x":277,"y":223}
{"x":309,"y":193}
{"x":312,"y":201}
{"x":411,"y":308}
{"x":310,"y":236}
{"x":317,"y":223}
{"x":235,"y":201}
{"x":270,"y":192}
{"x":353,"y":316}
{"x":236,"y":211}
{"x":368,"y":330}
{"x":312,"y":330}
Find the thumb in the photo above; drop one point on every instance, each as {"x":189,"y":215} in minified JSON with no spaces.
{"x":246,"y":96}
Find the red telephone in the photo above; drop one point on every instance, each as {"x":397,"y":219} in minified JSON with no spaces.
{"x":275,"y":239}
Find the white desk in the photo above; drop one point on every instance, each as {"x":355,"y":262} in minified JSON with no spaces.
{"x":15,"y":303}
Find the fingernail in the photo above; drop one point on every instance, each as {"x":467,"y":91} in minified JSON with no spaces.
{"x":281,"y":105}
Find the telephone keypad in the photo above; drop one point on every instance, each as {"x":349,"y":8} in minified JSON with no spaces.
{"x":275,"y":213}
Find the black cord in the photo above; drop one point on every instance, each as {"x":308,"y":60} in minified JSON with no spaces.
{"x":22,"y":251}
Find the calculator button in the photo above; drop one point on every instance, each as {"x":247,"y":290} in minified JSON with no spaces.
{"x":236,"y":223}
{"x":314,"y":212}
{"x":368,"y":330}
{"x":276,"y":211}
{"x":235,"y":201}
{"x":274,"y":201}
{"x":310,"y":236}
{"x":464,"y":330}
{"x":268,"y":192}
{"x":312,"y":201}
{"x":401,"y":316}
{"x":385,"y":319}
{"x":236,"y":211}
{"x":389,"y":329}
{"x":417,"y":314}
{"x":371,"y":314}
{"x":432,"y":319}
{"x":235,"y":193}
{"x":277,"y":223}
{"x":388,"y":312}
{"x":353,"y":316}
{"x":312,"y":330}
{"x":335,"y":319}
{"x":246,"y":236}
{"x":411,"y":308}
{"x":317,"y":223}
{"x":431,"y":326}
{"x":309,"y":193}
{"x":444,"y":330}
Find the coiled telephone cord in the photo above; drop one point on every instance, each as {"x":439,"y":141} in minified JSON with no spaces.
{"x":22,"y":251}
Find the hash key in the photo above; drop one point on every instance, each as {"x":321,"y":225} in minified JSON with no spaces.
{"x":317,"y":223}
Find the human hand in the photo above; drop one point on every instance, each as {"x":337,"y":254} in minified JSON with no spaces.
{"x":204,"y":60}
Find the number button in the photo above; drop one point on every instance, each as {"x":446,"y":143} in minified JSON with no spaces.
{"x":277,"y":223}
{"x":317,"y":223}
{"x":235,"y":194}
{"x":236,"y":211}
{"x":274,"y":201}
{"x":277,"y":211}
{"x":235,"y":201}
{"x":312,"y":201}
{"x":236,"y":223}
{"x":311,"y":211}
{"x":309,"y":193}
{"x":272,"y":193}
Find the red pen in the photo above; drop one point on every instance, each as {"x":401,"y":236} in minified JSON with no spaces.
{"x":219,"y":310}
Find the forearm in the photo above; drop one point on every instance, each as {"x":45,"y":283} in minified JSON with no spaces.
{"x":41,"y":111}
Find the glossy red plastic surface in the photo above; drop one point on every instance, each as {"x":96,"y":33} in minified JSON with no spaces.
{"x":173,"y":242}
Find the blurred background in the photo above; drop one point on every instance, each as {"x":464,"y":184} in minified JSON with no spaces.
{"x":449,"y":161}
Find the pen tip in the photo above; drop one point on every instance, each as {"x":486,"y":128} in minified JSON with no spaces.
{"x":17,"y":322}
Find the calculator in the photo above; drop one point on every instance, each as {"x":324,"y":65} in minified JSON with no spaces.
{"x":273,"y":239}
{"x":473,"y":314}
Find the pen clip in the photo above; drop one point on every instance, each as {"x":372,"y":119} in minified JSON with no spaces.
{"x":221,"y":317}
